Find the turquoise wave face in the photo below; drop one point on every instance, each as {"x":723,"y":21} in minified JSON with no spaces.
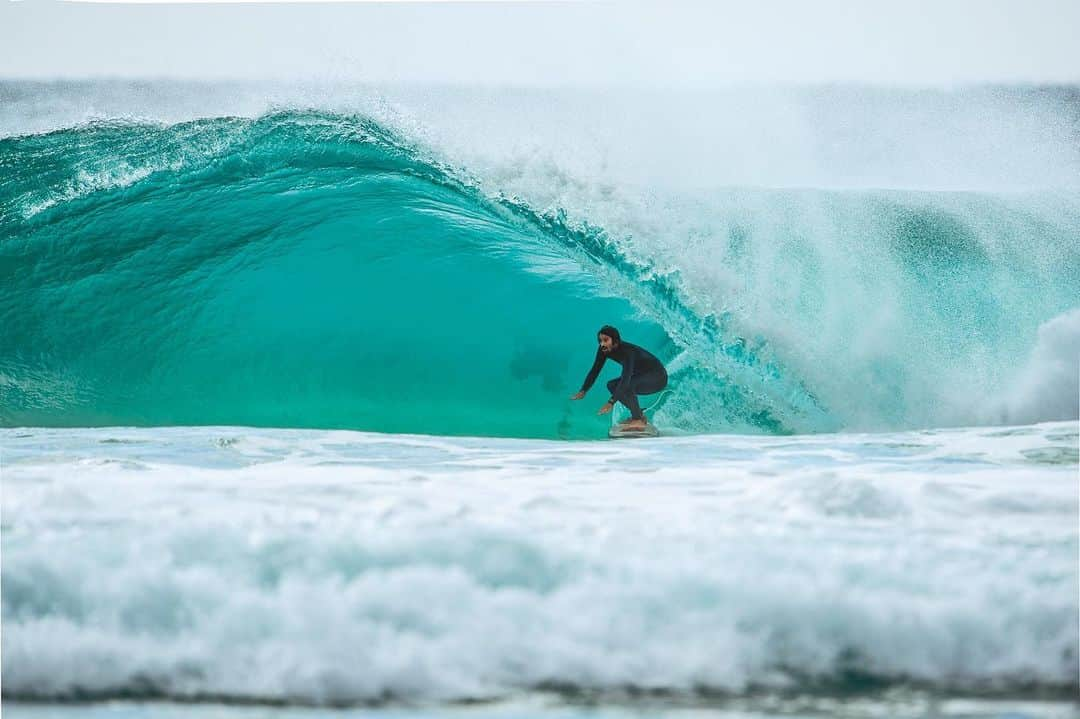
{"x":311,"y":270}
{"x":308,"y":269}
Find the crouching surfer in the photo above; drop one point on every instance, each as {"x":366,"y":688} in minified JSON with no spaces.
{"x":642,"y":373}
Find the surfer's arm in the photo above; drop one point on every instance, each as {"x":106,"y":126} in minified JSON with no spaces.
{"x":594,"y":372}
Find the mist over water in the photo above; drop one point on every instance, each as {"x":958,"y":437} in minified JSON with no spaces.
{"x":964,"y":138}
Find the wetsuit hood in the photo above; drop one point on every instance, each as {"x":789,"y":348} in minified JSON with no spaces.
{"x":610,"y":332}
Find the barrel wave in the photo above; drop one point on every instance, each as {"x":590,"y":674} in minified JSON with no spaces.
{"x":317,"y":269}
{"x":311,"y":270}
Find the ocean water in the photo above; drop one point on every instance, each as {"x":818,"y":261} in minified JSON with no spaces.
{"x":440,"y":262}
{"x":284,"y":415}
{"x":338,"y":567}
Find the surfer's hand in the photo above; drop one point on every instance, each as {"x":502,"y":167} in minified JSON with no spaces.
{"x":579,"y":395}
{"x":605,"y":409}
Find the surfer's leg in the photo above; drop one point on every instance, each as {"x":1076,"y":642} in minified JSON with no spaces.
{"x":648,"y":383}
{"x":627,"y":398}
{"x":631,"y":402}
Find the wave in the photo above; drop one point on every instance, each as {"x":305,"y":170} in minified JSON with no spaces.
{"x":313,"y":269}
{"x":330,"y":567}
{"x":454,"y":615}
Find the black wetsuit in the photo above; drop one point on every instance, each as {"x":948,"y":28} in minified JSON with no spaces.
{"x":642,"y":373}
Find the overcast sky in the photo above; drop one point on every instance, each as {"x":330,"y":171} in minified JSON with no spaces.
{"x":552,"y":44}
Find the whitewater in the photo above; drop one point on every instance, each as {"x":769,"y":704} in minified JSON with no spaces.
{"x":285,"y":424}
{"x":337,"y":567}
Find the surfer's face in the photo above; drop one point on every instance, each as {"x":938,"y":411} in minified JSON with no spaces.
{"x":606,"y":343}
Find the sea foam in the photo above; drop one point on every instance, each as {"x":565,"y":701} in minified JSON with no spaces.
{"x":340,"y":567}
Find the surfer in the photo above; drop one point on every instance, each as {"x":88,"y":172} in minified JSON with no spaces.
{"x":642,"y":373}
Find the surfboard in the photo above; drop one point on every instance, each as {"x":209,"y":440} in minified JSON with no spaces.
{"x":619,"y":432}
